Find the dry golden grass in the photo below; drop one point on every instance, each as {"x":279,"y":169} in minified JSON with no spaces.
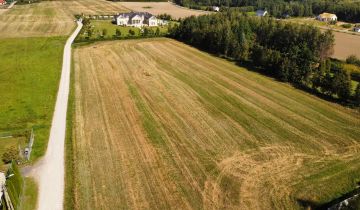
{"x":346,"y":45}
{"x":50,"y":18}
{"x":161,"y":125}
{"x":157,"y":8}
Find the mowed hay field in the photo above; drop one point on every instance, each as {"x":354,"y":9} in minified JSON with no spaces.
{"x":161,"y":125}
{"x":346,"y":45}
{"x":157,"y":8}
{"x":50,"y":18}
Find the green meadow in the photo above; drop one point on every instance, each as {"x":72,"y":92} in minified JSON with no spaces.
{"x":29,"y":77}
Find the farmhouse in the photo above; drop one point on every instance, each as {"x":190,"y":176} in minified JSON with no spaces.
{"x":261,"y":13}
{"x":326,"y":17}
{"x":138,"y":19}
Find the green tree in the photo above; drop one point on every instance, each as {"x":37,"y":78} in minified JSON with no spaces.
{"x":327,"y":84}
{"x":157,"y":33}
{"x":89,"y":33}
{"x":117,"y":33}
{"x":132,"y":32}
{"x":104,"y":32}
{"x":342,"y":84}
{"x":357,"y":95}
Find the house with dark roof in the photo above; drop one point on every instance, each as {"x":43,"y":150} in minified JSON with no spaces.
{"x":137,"y":19}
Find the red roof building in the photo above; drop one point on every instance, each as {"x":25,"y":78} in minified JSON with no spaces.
{"x":2,"y":2}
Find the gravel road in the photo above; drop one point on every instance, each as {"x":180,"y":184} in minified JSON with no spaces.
{"x":49,"y":172}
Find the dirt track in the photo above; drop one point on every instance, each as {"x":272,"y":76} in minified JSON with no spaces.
{"x":162,"y":125}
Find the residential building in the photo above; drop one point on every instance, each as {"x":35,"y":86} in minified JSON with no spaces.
{"x":327,"y":17}
{"x":261,"y":13}
{"x":357,"y":28}
{"x":138,"y":19}
{"x":216,"y":9}
{"x":2,"y":2}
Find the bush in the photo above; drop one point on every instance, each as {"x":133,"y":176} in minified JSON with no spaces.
{"x":117,"y":33}
{"x":165,"y":16}
{"x":11,"y":154}
{"x":347,"y":25}
{"x":352,"y":59}
{"x":131,"y":32}
{"x":357,"y":95}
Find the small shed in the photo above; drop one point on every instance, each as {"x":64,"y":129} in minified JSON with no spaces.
{"x":216,"y":9}
{"x":261,"y":13}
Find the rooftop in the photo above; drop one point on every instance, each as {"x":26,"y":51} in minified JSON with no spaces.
{"x":133,"y":14}
{"x":327,"y":15}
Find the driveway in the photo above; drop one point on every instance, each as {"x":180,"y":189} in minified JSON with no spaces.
{"x":49,"y":171}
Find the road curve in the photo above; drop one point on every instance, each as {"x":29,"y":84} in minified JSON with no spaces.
{"x":50,"y":172}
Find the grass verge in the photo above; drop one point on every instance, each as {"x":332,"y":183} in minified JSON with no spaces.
{"x":69,"y":197}
{"x":30,"y":195}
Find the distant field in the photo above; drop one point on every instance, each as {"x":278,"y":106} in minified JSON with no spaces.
{"x":29,"y":75}
{"x":50,"y":18}
{"x":345,"y":45}
{"x":157,"y":8}
{"x":41,"y":19}
{"x":161,"y":125}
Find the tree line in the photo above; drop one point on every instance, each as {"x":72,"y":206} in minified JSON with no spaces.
{"x":292,"y":53}
{"x":345,"y":10}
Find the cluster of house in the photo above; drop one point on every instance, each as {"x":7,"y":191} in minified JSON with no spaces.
{"x":138,"y":19}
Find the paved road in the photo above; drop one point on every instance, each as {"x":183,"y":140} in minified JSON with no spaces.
{"x":50,"y":170}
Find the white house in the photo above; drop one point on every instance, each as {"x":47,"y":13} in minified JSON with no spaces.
{"x":357,"y":29}
{"x":2,"y":184}
{"x":327,"y":17}
{"x":216,"y":9}
{"x":137,"y":19}
{"x":261,"y":13}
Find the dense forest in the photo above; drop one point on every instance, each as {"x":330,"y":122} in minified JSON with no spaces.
{"x":292,"y":53}
{"x":345,"y":10}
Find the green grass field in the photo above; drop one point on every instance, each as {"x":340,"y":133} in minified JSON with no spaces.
{"x":29,"y":77}
{"x":100,"y":25}
{"x":29,"y":197}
